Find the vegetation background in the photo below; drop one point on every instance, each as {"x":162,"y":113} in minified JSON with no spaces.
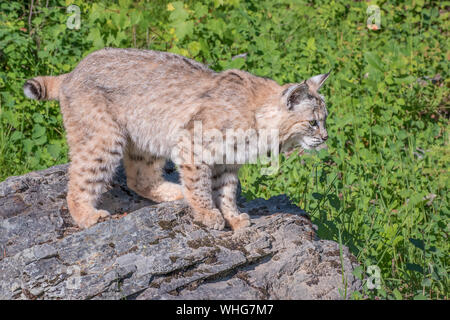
{"x":381,"y":188}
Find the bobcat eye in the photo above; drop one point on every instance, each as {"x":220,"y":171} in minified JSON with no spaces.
{"x":313,"y":123}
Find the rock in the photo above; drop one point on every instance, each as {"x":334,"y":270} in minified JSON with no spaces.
{"x":155,"y":251}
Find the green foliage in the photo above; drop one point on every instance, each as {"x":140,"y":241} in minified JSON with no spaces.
{"x":380,"y":188}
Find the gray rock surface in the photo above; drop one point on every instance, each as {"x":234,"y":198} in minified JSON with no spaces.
{"x":155,"y":251}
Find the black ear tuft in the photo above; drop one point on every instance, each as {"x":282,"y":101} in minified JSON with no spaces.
{"x":316,"y":82}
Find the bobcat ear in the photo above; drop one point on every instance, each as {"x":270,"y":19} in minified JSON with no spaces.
{"x":294,"y":93}
{"x":317,"y":81}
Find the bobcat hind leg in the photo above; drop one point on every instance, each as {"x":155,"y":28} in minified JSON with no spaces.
{"x":145,"y":177}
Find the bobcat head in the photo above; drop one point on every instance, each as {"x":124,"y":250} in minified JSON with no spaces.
{"x":305,"y":115}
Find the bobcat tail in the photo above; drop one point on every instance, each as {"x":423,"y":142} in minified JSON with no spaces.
{"x":43,"y":88}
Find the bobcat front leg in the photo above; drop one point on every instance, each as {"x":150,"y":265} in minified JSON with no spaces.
{"x":197,"y":189}
{"x":224,"y":185}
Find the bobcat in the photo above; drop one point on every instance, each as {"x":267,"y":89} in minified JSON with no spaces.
{"x":132,"y":104}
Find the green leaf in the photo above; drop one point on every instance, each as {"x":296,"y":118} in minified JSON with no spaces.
{"x":54,"y":150}
{"x":402,"y":135}
{"x":38,"y":131}
{"x":358,"y":272}
{"x":179,"y":14}
{"x":194,"y":48}
{"x":136,"y":17}
{"x":200,"y":9}
{"x":40,"y":141}
{"x":124,"y":4}
{"x":96,"y":38}
{"x":16,"y":135}
{"x":236,"y":63}
{"x":183,"y":28}
{"x":27,"y":145}
{"x":311,"y":45}
{"x":374,"y":61}
{"x":38,"y":118}
{"x":397,"y":294}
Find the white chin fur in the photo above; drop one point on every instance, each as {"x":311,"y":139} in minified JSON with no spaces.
{"x":305,"y":145}
{"x":308,"y":143}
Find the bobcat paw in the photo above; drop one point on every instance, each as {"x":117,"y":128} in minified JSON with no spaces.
{"x":92,"y":218}
{"x":238,"y":221}
{"x":212,"y":219}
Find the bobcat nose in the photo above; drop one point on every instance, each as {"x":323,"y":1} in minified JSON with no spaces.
{"x":325,"y":137}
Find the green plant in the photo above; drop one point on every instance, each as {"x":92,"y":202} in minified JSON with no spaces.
{"x":381,"y":188}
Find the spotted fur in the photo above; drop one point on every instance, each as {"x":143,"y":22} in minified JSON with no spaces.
{"x":134,"y":105}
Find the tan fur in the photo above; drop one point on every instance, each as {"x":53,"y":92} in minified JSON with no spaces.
{"x":135,"y":104}
{"x":144,"y":176}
